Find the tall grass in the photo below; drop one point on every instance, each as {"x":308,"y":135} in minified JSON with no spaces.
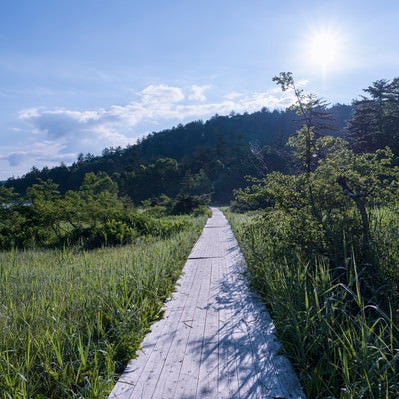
{"x":385,"y":227}
{"x":70,"y":320}
{"x":340,"y":346}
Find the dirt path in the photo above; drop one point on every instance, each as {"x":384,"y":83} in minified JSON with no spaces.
{"x":215,"y":340}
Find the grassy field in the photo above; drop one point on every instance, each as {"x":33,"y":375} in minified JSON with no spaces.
{"x":70,"y":319}
{"x":341,"y":346}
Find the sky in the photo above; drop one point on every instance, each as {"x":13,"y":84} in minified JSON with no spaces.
{"x":78,"y":76}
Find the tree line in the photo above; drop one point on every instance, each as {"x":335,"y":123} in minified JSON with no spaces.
{"x":93,"y":216}
{"x":200,"y":157}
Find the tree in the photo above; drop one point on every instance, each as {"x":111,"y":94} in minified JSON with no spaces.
{"x":94,"y":184}
{"x":46,"y":211}
{"x":8,"y":205}
{"x":375,"y":121}
{"x":7,"y":198}
{"x":314,"y":117}
{"x":97,"y":198}
{"x":196,"y":184}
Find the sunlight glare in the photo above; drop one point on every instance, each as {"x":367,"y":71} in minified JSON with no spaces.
{"x":324,"y":48}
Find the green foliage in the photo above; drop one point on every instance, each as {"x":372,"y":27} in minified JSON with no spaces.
{"x":186,"y":203}
{"x":314,"y":117}
{"x":375,"y":121}
{"x":327,"y":211}
{"x":92,"y":217}
{"x":250,"y":198}
{"x":312,"y":111}
{"x":384,"y":223}
{"x":341,"y":346}
{"x":323,"y":254}
{"x":70,"y":320}
{"x":196,"y":184}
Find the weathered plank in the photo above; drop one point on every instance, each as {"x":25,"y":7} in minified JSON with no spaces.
{"x":216,"y":340}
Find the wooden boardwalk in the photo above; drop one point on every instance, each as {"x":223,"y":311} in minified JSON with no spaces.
{"x":215,"y":340}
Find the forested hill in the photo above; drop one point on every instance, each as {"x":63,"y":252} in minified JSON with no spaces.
{"x":196,"y":158}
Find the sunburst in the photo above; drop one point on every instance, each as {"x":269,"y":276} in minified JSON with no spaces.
{"x":324,"y":49}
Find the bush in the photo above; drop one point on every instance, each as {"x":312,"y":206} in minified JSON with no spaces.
{"x":187,"y":203}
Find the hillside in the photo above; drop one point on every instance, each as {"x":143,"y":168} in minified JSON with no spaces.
{"x":199,"y":157}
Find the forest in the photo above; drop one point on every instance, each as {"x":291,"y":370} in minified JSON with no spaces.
{"x":313,"y":195}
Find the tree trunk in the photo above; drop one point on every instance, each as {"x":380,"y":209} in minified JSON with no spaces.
{"x":360,"y":202}
{"x":365,"y":228}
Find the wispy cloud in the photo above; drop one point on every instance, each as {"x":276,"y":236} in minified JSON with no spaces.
{"x":198,"y":93}
{"x":161,"y":95}
{"x":232,"y":95}
{"x":17,"y":160}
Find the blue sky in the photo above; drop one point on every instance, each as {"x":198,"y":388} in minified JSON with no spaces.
{"x":81,"y":75}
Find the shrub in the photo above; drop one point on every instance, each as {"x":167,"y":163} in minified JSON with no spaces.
{"x":187,"y":203}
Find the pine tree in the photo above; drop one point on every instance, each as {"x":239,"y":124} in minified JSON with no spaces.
{"x":375,"y":121}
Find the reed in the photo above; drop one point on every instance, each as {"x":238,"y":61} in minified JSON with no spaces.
{"x":340,"y":345}
{"x":70,"y":319}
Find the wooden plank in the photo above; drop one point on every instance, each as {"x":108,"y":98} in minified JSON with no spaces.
{"x":228,"y":386}
{"x":189,"y":372}
{"x":216,"y":339}
{"x":157,"y":343}
{"x":172,"y":344}
{"x":170,"y":377}
{"x":209,"y":362}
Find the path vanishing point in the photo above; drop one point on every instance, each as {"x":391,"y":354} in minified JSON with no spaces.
{"x":216,"y":340}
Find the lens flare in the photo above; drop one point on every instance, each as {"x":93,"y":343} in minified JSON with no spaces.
{"x":324,"y":49}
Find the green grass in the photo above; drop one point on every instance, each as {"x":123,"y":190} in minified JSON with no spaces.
{"x":385,"y":227}
{"x":340,"y":346}
{"x":71,"y":320}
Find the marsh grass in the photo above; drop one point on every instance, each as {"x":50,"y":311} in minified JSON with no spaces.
{"x":71,"y":319}
{"x":340,"y":346}
{"x":385,"y":227}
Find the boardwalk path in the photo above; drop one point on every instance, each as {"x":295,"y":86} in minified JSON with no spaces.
{"x":215,"y":340}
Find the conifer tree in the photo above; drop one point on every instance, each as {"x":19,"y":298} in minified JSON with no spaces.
{"x":375,"y":121}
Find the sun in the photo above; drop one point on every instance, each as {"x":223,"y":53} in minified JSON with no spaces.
{"x":324,"y":49}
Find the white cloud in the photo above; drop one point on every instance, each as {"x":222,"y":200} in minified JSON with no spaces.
{"x":29,"y":113}
{"x":233,"y":95}
{"x":161,"y":95}
{"x":58,"y":135}
{"x":198,"y":93}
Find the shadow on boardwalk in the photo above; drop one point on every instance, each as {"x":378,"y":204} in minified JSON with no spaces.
{"x":216,"y":340}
